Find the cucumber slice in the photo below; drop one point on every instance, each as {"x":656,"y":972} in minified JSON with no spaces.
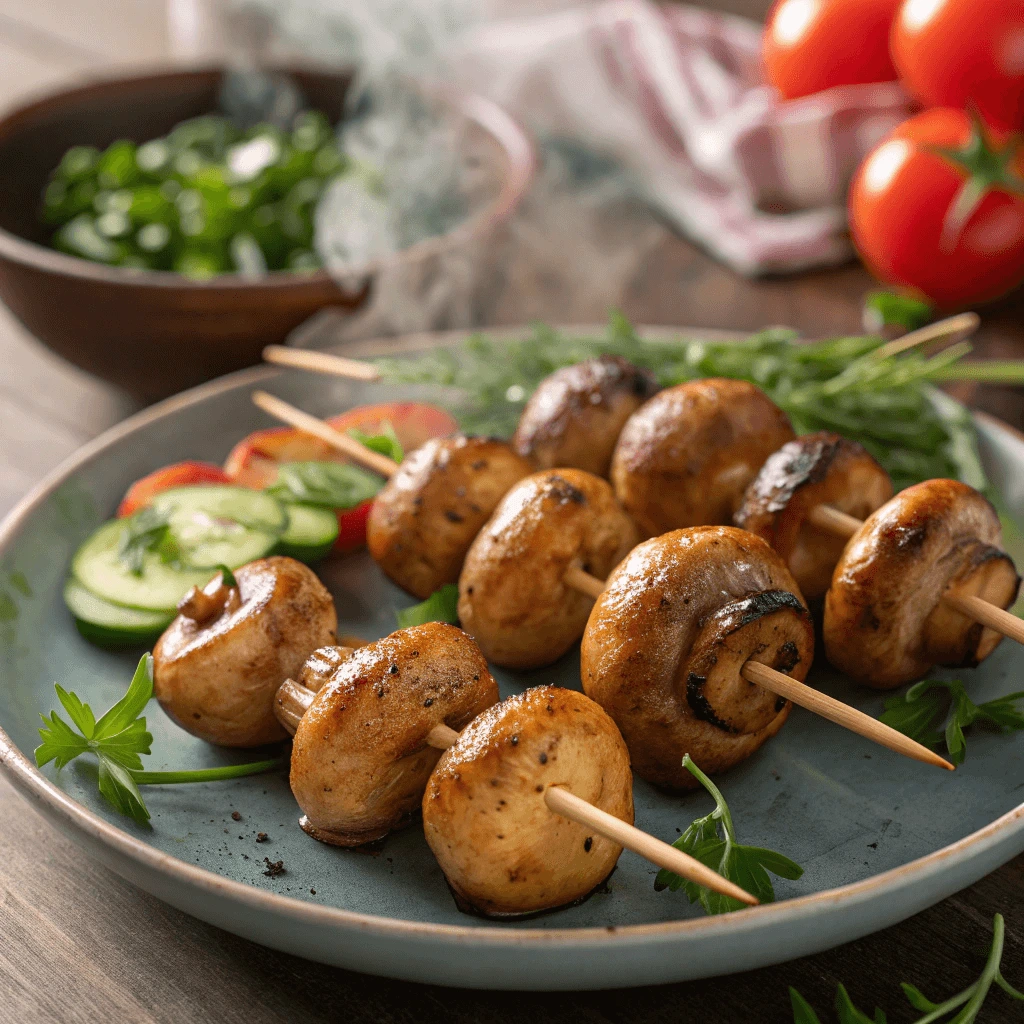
{"x":222,"y":525}
{"x":110,"y":624}
{"x":311,"y":533}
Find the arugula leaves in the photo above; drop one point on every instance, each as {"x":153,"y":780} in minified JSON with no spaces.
{"x":117,"y":740}
{"x":920,"y":712}
{"x":747,"y":866}
{"x":333,"y":485}
{"x":147,"y":530}
{"x":441,"y":606}
{"x":971,"y":999}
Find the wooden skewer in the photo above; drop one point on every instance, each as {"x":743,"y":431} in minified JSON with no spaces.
{"x":320,"y":362}
{"x":281,"y":410}
{"x":811,"y":699}
{"x":961,"y":326}
{"x":292,"y":701}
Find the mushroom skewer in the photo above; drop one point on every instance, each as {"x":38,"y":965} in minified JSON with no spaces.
{"x":354,"y":787}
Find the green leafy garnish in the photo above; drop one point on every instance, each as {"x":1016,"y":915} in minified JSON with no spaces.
{"x":147,"y":530}
{"x":117,"y":740}
{"x":441,"y":606}
{"x":227,"y":577}
{"x":333,"y":485}
{"x":970,"y":999}
{"x":890,"y":309}
{"x":384,"y":443}
{"x":747,"y":866}
{"x":921,"y":711}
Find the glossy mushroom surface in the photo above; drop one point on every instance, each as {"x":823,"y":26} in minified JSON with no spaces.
{"x":666,"y":641}
{"x":503,"y":852}
{"x":686,"y":456}
{"x":885,"y":621}
{"x":513,"y":598}
{"x":575,"y":416}
{"x":360,"y":758}
{"x":217,"y":675}
{"x":425,"y":518}
{"x":815,"y":469}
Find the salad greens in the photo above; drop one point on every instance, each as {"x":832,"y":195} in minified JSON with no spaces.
{"x":333,"y":485}
{"x":441,"y":606}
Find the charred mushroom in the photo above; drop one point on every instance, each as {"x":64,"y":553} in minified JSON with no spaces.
{"x":513,"y":598}
{"x":886,"y":620}
{"x":219,"y":663}
{"x":686,"y":456}
{"x":574,"y":417}
{"x":665,"y":643}
{"x":503,"y":851}
{"x":814,"y":470}
{"x":422,"y":523}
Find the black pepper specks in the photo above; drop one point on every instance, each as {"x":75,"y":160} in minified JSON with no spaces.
{"x":543,"y":758}
{"x":428,"y":702}
{"x":393,"y":670}
{"x":588,"y":844}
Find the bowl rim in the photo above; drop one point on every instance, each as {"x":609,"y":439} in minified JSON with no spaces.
{"x":36,"y":787}
{"x":510,"y":136}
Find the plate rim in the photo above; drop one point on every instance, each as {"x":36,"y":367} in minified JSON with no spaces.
{"x":32,"y":785}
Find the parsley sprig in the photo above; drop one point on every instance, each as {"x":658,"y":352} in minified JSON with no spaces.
{"x":441,"y":606}
{"x":968,"y":1002}
{"x":921,"y":711}
{"x":117,"y":739}
{"x":747,"y":866}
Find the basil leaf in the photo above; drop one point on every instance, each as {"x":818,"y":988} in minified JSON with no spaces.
{"x":333,"y":485}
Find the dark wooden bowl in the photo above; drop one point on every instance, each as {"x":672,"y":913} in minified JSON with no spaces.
{"x":153,"y":332}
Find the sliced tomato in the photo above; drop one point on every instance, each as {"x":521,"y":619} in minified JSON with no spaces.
{"x":253,"y":461}
{"x":180,"y":474}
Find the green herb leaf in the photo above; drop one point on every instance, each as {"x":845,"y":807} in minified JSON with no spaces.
{"x":802,"y":1010}
{"x":441,"y":606}
{"x":227,"y":576}
{"x":747,"y":866}
{"x":148,"y":530}
{"x":849,"y":1014}
{"x":889,"y":309}
{"x":385,"y":443}
{"x":333,"y":485}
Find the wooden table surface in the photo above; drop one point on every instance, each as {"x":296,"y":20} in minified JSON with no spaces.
{"x":78,"y":944}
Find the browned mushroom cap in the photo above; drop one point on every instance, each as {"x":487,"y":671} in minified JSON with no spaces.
{"x":666,"y":641}
{"x":885,"y":622}
{"x":815,"y":469}
{"x":502,"y":850}
{"x":424,"y":520}
{"x":512,"y":595}
{"x":217,"y":678}
{"x":575,"y":415}
{"x":686,"y":457}
{"x":360,"y":758}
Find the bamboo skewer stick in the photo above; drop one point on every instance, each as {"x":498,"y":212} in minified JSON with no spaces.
{"x":293,"y":699}
{"x":807,"y":697}
{"x":961,"y":326}
{"x":321,"y":362}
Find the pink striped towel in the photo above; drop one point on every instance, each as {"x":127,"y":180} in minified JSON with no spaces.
{"x":675,"y":94}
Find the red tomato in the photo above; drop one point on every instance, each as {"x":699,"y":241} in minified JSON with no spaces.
{"x":955,"y":53}
{"x":811,"y":45}
{"x":180,"y":474}
{"x":917,"y":221}
{"x":253,"y":461}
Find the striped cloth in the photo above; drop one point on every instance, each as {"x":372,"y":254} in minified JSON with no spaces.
{"x":676,"y":95}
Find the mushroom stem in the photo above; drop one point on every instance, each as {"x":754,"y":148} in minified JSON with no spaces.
{"x":290,"y":704}
{"x":441,"y":737}
{"x":321,"y":362}
{"x":578,"y":579}
{"x":840,"y":713}
{"x":349,"y":446}
{"x":826,"y":517}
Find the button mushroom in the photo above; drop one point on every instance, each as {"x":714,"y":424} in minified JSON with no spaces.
{"x":666,"y":641}
{"x":219,"y":663}
{"x":422,"y":523}
{"x":686,"y":456}
{"x":814,"y":470}
{"x":574,"y":417}
{"x":503,"y":851}
{"x":513,"y":598}
{"x":888,"y":617}
{"x":360,"y":758}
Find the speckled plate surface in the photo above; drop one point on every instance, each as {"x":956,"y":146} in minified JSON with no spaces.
{"x":880,"y":837}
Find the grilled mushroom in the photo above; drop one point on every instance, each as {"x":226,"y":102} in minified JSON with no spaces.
{"x":574,"y":417}
{"x":422,"y":523}
{"x":512,"y":596}
{"x":886,"y":622}
{"x":217,"y":666}
{"x":686,"y":456}
{"x":502,"y":850}
{"x":814,"y":470}
{"x":360,"y":759}
{"x":665,"y":643}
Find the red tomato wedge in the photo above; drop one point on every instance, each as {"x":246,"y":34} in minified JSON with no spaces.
{"x":254,"y":460}
{"x":179,"y":474}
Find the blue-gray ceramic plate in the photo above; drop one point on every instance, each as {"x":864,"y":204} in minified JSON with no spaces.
{"x":880,"y":837}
